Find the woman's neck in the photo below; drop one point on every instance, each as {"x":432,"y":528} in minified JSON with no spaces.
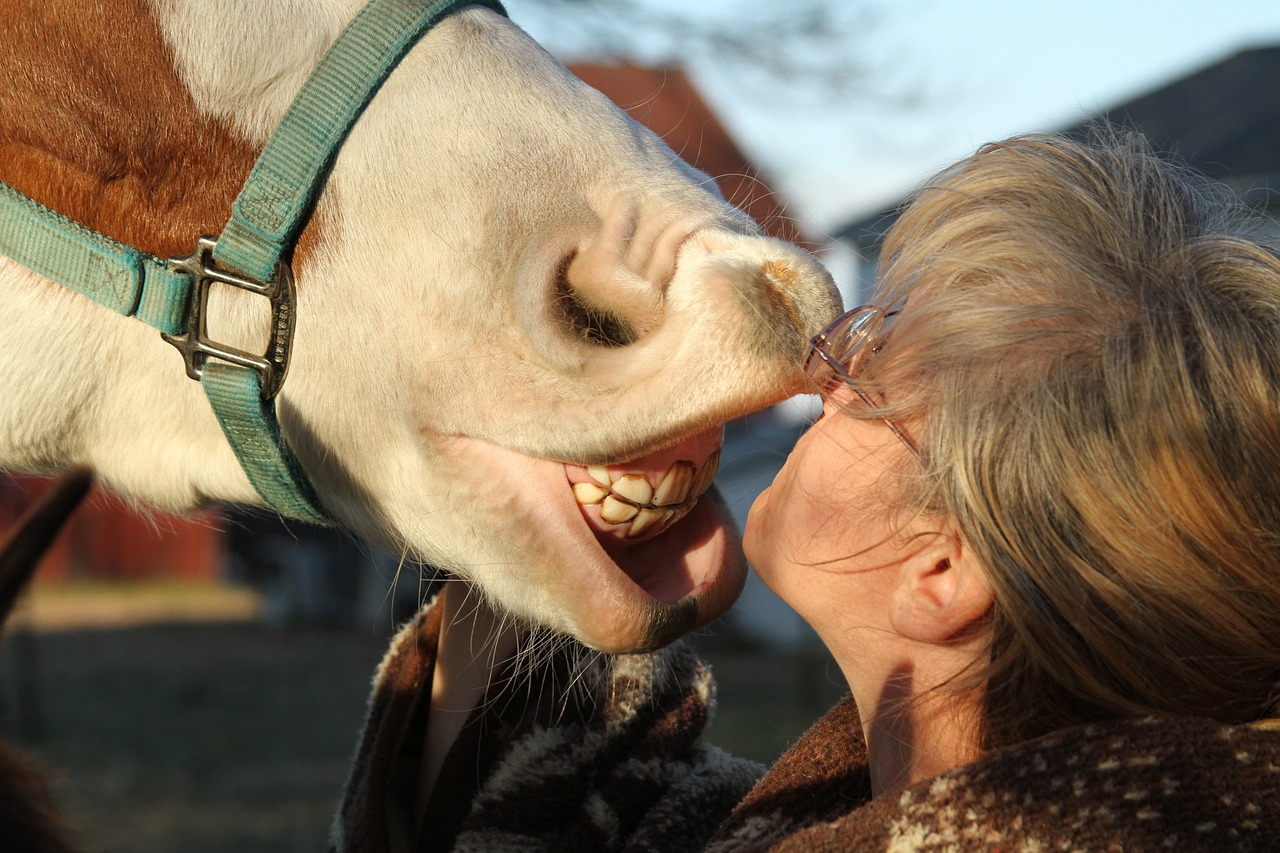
{"x":916,"y":725}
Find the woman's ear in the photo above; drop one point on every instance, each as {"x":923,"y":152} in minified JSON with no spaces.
{"x":941,"y":591}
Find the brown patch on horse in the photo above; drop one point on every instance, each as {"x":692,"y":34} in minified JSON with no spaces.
{"x":96,"y":124}
{"x":769,"y":295}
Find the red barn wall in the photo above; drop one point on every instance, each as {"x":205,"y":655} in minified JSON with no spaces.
{"x":107,"y":539}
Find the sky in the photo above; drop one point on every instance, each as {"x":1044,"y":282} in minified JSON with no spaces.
{"x":984,"y":70}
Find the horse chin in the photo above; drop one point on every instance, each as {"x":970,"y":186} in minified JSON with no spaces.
{"x":692,"y":572}
{"x":553,"y":564}
{"x":675,"y":563}
{"x":657,"y":519}
{"x":646,"y":594}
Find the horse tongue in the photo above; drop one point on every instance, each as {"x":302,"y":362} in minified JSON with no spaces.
{"x":637,"y":500}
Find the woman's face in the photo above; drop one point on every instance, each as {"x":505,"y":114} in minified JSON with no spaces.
{"x":823,"y":536}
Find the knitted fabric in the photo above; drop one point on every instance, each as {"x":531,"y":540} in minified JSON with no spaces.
{"x":616,"y":763}
{"x":577,"y":752}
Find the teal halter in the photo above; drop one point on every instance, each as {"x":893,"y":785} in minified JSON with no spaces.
{"x":251,"y":254}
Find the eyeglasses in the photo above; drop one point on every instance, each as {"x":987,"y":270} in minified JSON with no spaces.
{"x":837,"y":352}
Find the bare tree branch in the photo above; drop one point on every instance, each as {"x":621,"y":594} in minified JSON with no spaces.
{"x":821,"y":47}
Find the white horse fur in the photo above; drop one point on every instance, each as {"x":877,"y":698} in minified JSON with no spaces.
{"x":438,"y":381}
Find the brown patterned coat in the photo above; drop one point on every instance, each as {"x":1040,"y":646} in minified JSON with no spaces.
{"x":619,"y":765}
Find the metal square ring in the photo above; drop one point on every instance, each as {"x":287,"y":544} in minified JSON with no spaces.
{"x":194,"y":342}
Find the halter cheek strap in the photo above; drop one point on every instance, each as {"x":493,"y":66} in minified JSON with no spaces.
{"x":251,"y":254}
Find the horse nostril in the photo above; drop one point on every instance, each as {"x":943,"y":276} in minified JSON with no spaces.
{"x":585,"y":321}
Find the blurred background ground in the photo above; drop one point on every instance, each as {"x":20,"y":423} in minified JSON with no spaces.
{"x":197,"y":685}
{"x":172,"y":716}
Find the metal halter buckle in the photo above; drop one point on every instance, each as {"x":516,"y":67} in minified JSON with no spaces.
{"x":194,"y":343}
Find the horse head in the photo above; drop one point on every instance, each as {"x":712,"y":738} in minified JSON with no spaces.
{"x":521,"y":318}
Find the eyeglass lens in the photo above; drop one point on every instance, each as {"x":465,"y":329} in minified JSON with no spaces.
{"x":840,"y":347}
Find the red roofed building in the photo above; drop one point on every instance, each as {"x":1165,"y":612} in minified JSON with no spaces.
{"x":666,"y":101}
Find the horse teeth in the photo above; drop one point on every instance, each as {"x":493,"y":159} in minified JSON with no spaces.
{"x":706,"y":475}
{"x":587,"y":494}
{"x":634,"y":488}
{"x":675,"y":484}
{"x":632,"y":498}
{"x":679,"y":512}
{"x":615,"y":511}
{"x":648,"y":519}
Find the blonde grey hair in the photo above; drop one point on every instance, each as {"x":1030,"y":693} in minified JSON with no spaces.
{"x":1089,"y":357}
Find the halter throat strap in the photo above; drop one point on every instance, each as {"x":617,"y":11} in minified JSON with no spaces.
{"x":252,"y":253}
